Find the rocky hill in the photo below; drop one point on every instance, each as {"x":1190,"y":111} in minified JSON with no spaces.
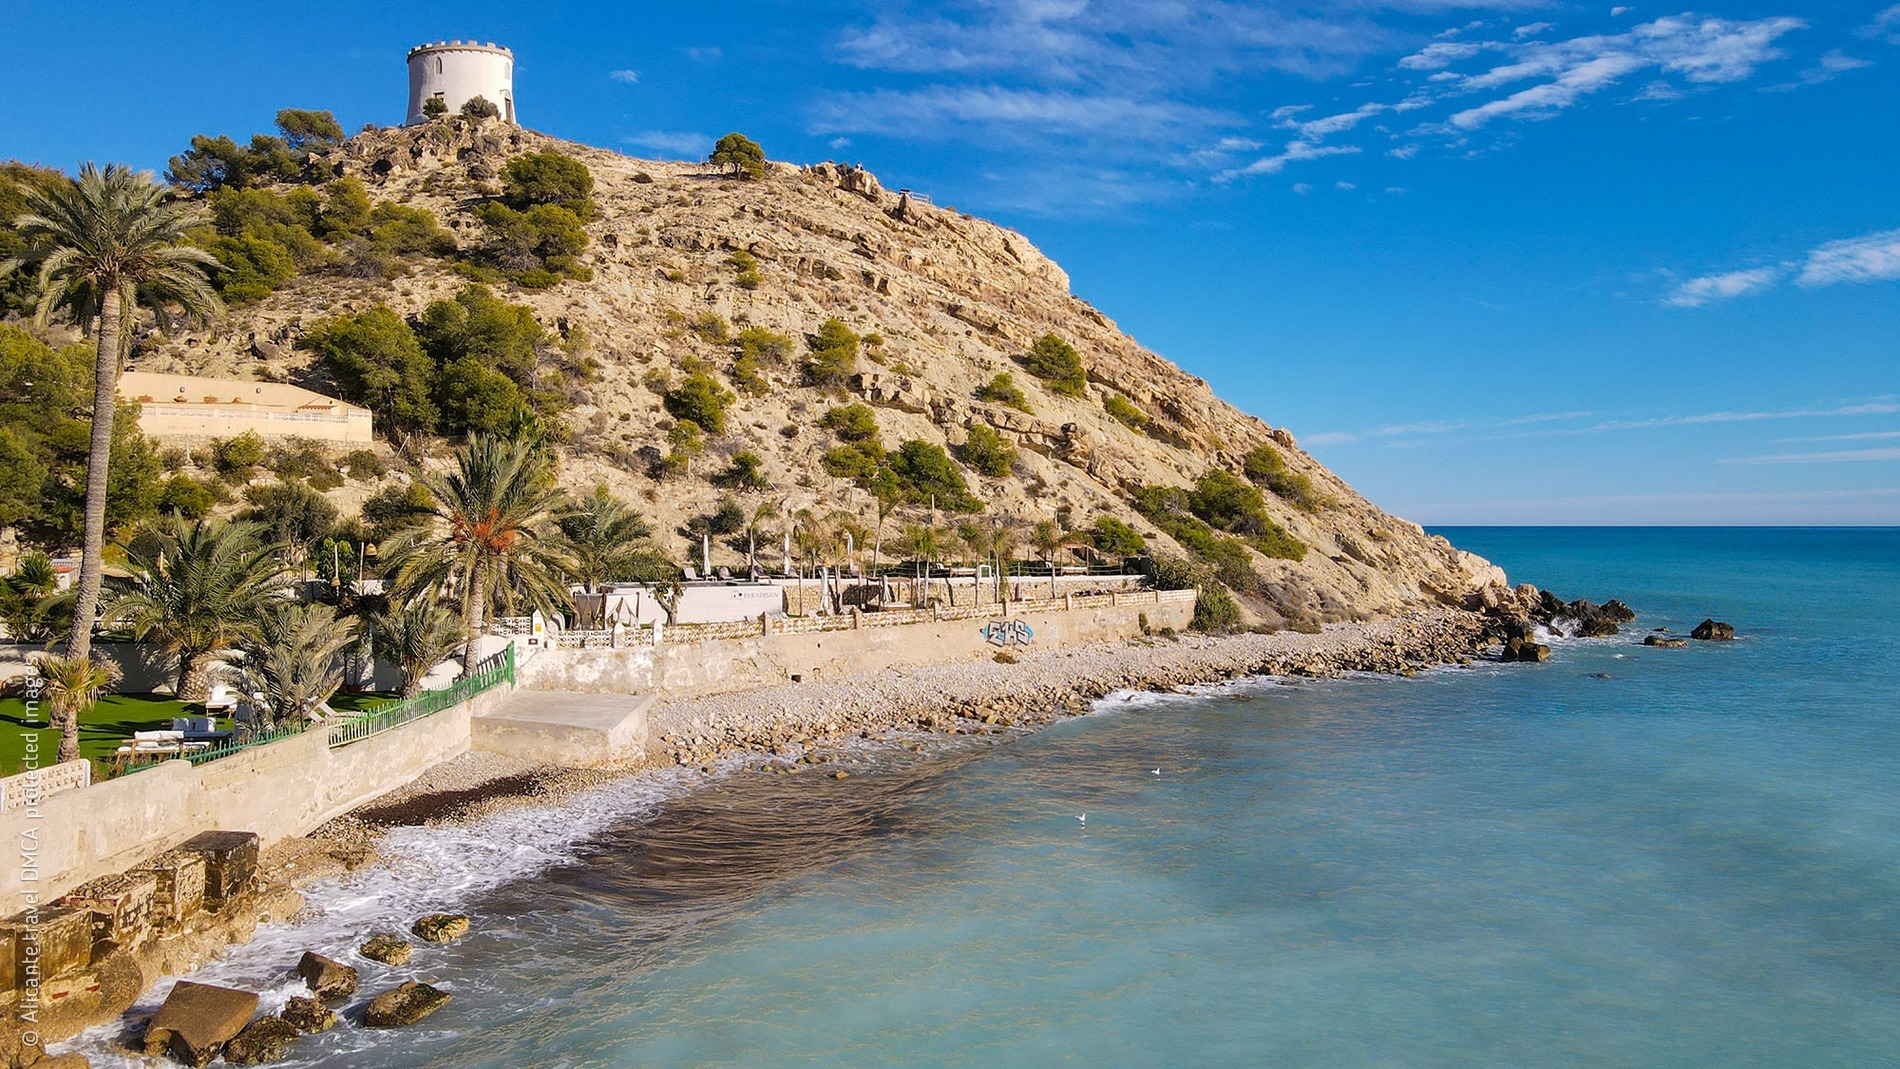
{"x":955,"y":300}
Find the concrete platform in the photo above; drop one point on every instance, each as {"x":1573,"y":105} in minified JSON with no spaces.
{"x":563,"y":728}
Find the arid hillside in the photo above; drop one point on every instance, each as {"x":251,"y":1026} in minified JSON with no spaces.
{"x":945,"y":302}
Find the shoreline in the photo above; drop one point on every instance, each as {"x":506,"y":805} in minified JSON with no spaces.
{"x":803,"y":727}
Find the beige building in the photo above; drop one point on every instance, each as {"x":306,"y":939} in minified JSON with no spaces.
{"x":189,"y":406}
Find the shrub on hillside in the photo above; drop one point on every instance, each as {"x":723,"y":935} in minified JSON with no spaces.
{"x":833,"y":355}
{"x":1125,"y":412}
{"x":1116,"y":538}
{"x":930,"y":477}
{"x":480,"y":109}
{"x":1265,"y":467}
{"x":377,"y":362}
{"x":551,"y":178}
{"x":987,"y":452}
{"x":701,"y":400}
{"x":746,"y":472}
{"x":1058,"y":365}
{"x":1002,"y":390}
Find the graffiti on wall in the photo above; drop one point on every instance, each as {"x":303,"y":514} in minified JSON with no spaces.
{"x":1008,"y":633}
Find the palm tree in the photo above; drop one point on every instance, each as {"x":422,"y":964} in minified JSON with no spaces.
{"x":600,"y":534}
{"x":197,"y":591}
{"x":103,"y":246}
{"x":416,"y":637}
{"x":486,"y":536}
{"x":999,"y":544}
{"x":1046,"y":538}
{"x":756,"y":529}
{"x":73,"y":684}
{"x":290,"y":665}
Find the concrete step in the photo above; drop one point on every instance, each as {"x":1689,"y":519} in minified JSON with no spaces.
{"x":564,"y":728}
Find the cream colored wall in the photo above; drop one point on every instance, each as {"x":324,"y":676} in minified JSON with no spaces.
{"x":277,"y":790}
{"x":271,"y":409}
{"x":691,"y":669}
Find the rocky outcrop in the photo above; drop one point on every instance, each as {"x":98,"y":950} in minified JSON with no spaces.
{"x":328,"y":979}
{"x":1665,"y":642}
{"x":309,"y":1015}
{"x":1713,"y":631}
{"x":403,"y":1005}
{"x":263,"y":1040}
{"x":197,"y":1020}
{"x":387,"y":948}
{"x":440,"y":927}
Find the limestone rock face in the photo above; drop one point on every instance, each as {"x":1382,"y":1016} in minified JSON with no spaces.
{"x":387,"y":948}
{"x":953,"y":300}
{"x":328,"y":979}
{"x":440,"y":927}
{"x":263,"y":1040}
{"x":197,"y":1020}
{"x":403,"y":1005}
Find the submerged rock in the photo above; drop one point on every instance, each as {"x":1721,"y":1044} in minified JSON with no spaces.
{"x":386,"y":947}
{"x":309,"y":1015}
{"x":328,"y":979}
{"x":440,"y":927}
{"x":1713,"y":631}
{"x":197,"y":1020}
{"x":263,"y":1040}
{"x":1665,"y":642}
{"x":403,"y":1005}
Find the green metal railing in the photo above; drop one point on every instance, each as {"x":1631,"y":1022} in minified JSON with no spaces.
{"x":261,"y":738}
{"x":488,"y":674}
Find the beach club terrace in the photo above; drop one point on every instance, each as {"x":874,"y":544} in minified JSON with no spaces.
{"x":193,"y":406}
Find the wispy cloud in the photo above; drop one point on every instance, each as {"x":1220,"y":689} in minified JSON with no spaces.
{"x":1700,"y":291}
{"x":1294,"y":152}
{"x":1829,"y":67}
{"x":1870,"y":258}
{"x":1873,"y":258}
{"x":1552,"y":424}
{"x":688,"y":144}
{"x":625,"y":77}
{"x":1845,"y":456}
{"x":1885,"y":26}
{"x":1879,"y":407}
{"x":1867,"y":436}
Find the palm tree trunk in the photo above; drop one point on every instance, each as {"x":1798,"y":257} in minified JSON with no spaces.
{"x":193,"y":677}
{"x":472,"y":614}
{"x":105,"y":401}
{"x":68,"y":735}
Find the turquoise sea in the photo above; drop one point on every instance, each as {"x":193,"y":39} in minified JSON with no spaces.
{"x":1625,"y":856}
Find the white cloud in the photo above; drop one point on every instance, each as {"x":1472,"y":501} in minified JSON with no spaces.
{"x":1829,"y":67}
{"x":1440,"y":54}
{"x":1532,"y":30}
{"x":705,"y":54}
{"x":1302,"y":188}
{"x":1295,"y":152}
{"x":1619,"y":12}
{"x":683,"y":143}
{"x":839,"y":142}
{"x":1345,"y":186}
{"x":1885,"y":26}
{"x":983,"y":110}
{"x":625,"y":77}
{"x":1873,"y":258}
{"x":1869,"y":436}
{"x":1845,"y":456}
{"x":1700,"y":291}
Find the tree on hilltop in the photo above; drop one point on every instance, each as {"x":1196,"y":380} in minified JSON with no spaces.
{"x":480,"y":109}
{"x":308,"y":131}
{"x":739,"y":155}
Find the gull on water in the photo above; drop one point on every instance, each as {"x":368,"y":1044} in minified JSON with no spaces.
{"x":1084,"y":818}
{"x":1156,"y":771}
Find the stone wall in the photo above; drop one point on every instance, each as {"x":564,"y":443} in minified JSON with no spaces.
{"x":277,"y":790}
{"x":810,"y":650}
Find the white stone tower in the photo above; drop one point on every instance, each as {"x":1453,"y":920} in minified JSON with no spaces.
{"x":458,"y":71}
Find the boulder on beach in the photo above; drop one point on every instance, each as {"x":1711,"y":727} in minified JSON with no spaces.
{"x":1524,"y":649}
{"x":197,"y":1020}
{"x":263,"y":1040}
{"x":328,"y":978}
{"x":309,"y":1015}
{"x":386,"y":947}
{"x":1665,"y":642}
{"x":440,"y":927}
{"x":1713,"y":631}
{"x":403,"y":1005}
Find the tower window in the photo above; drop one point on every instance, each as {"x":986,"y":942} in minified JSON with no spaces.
{"x":438,"y":64}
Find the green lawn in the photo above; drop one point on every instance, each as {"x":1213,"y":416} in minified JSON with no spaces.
{"x":110,"y":724}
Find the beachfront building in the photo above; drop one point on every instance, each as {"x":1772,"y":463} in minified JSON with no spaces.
{"x":456,"y":72}
{"x":192,"y":406}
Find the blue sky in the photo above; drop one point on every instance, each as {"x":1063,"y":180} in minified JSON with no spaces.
{"x":1510,"y":262}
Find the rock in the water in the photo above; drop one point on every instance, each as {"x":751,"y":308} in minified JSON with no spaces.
{"x":328,"y":979}
{"x":440,"y":927}
{"x":263,"y":1040}
{"x":403,"y":1005}
{"x":1713,"y":631}
{"x":197,"y":1020}
{"x":1524,"y":649}
{"x":386,"y":947}
{"x":1665,"y":642}
{"x":1618,"y":611}
{"x":309,"y":1015}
